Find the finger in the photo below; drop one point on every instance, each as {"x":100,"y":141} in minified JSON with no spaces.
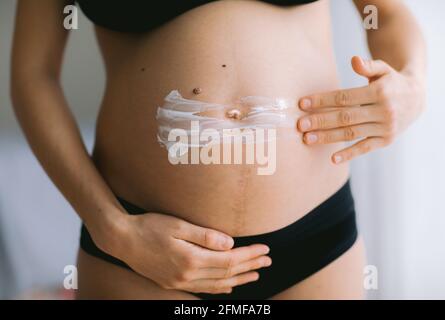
{"x":204,"y":237}
{"x":360,"y":148}
{"x":345,"y":134}
{"x":370,"y":68}
{"x":339,"y":98}
{"x":340,"y":118}
{"x":221,"y":285}
{"x":233,"y":257}
{"x":219,"y":273}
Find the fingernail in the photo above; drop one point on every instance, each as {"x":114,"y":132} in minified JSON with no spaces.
{"x":338,"y":159}
{"x":266,"y":250}
{"x":268,"y":262}
{"x":305,"y":103}
{"x":311,"y":138}
{"x":305,"y":124}
{"x":225,"y":241}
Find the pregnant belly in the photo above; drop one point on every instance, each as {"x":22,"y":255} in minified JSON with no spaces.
{"x":227,"y":51}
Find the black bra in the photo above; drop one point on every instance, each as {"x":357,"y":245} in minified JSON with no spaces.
{"x":144,"y":15}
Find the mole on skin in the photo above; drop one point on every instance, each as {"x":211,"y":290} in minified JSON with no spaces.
{"x":197,"y":90}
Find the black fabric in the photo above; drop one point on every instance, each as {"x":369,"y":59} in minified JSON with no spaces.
{"x":297,"y":250}
{"x":144,"y":15}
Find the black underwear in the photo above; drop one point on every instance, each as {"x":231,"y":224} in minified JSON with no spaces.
{"x":297,"y":250}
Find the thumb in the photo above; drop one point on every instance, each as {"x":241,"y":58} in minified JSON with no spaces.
{"x":204,"y":237}
{"x":370,"y":68}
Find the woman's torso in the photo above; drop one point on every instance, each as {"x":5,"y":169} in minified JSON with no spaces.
{"x":267,"y":51}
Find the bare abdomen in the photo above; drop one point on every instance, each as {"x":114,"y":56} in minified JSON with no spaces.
{"x":229,"y":49}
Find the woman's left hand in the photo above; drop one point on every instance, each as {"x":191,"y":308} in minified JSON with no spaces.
{"x":376,"y":113}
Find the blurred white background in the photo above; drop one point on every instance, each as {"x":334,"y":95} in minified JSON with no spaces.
{"x":399,"y":191}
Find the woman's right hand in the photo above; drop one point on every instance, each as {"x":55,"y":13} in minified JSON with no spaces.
{"x":179,"y":255}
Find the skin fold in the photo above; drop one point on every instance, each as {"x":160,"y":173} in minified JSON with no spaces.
{"x":228,"y":49}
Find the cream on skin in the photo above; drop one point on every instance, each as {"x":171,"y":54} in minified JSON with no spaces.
{"x":186,"y":124}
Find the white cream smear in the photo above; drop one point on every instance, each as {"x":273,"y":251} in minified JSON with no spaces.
{"x":219,"y":122}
